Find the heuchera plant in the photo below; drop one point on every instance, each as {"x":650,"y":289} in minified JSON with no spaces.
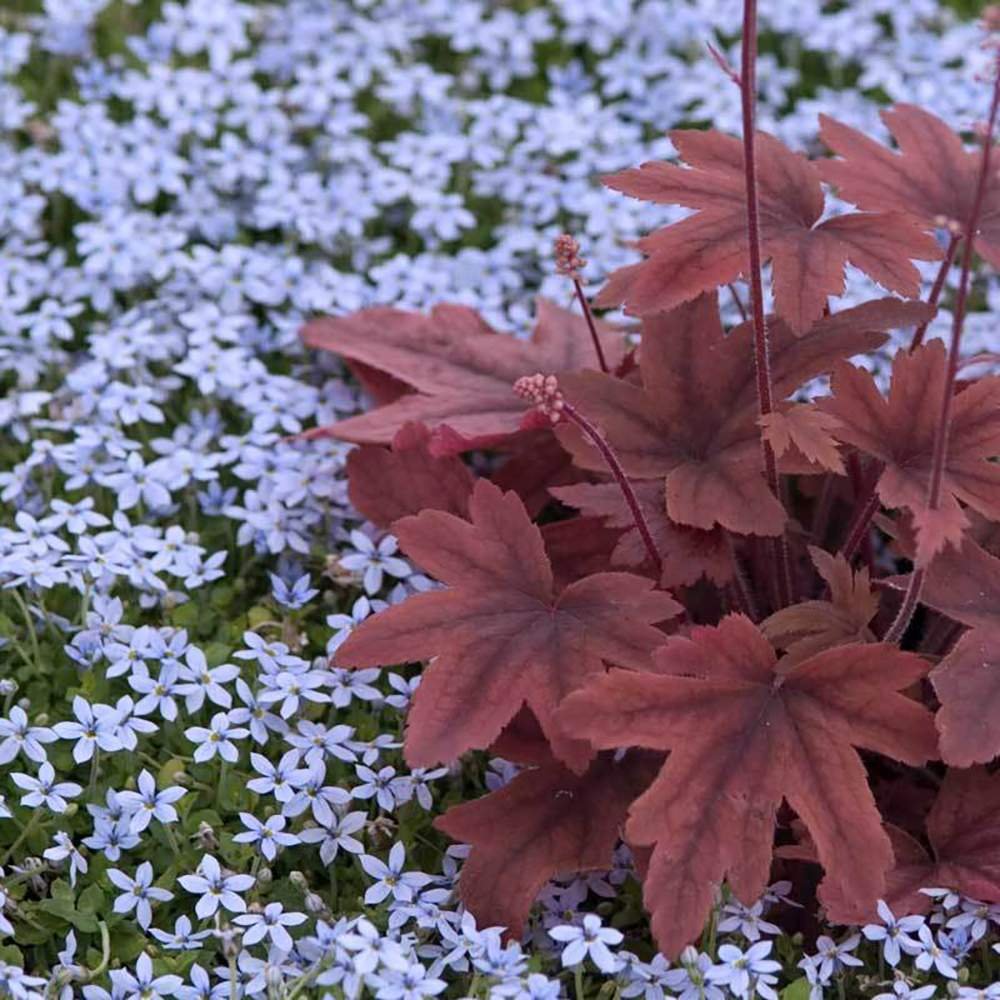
{"x":674,"y":593}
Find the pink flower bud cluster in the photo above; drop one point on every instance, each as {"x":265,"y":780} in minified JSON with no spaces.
{"x":544,"y":392}
{"x":567,"y":254}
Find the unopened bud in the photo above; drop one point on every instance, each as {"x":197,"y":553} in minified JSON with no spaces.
{"x":229,"y":938}
{"x":567,"y":254}
{"x":314,"y":903}
{"x":689,"y":956}
{"x":264,"y":877}
{"x":298,"y":880}
{"x":543,"y":391}
{"x":206,"y":837}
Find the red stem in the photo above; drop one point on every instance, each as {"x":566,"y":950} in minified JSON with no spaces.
{"x":611,"y":460}
{"x":941,"y":432}
{"x":589,"y":317}
{"x":762,"y":353}
{"x":936,"y":288}
{"x":860,"y":525}
{"x":824,"y":506}
{"x":742,"y":583}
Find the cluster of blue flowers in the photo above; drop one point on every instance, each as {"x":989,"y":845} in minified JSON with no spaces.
{"x":192,"y":803}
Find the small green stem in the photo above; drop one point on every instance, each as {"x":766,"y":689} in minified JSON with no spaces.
{"x":95,"y":767}
{"x":29,"y":621}
{"x":105,"y":953}
{"x":222,"y":784}
{"x":172,"y":839}
{"x":85,"y":604}
{"x":25,"y":833}
{"x":578,"y":981}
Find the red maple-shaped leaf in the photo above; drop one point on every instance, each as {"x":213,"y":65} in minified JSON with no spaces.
{"x":460,"y":368}
{"x":804,"y":629}
{"x":534,"y":461}
{"x":933,"y":176}
{"x":501,"y":635}
{"x":579,"y":547}
{"x":693,"y":419}
{"x":899,"y":430}
{"x":806,"y":428}
{"x":745,"y":731}
{"x":386,"y":485}
{"x":686,"y":553}
{"x":964,"y":584}
{"x":963,"y":829}
{"x":547,"y":821}
{"x":710,"y":247}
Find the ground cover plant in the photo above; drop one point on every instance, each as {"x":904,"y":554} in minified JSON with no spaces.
{"x":671,"y":657}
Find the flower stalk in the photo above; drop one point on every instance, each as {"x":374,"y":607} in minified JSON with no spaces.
{"x":544,"y":392}
{"x":762,"y":352}
{"x":911,"y":597}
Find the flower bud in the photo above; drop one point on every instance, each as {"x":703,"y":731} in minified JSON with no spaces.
{"x":206,"y":837}
{"x":689,"y":956}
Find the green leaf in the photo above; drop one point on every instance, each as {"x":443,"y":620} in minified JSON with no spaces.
{"x":92,"y":899}
{"x":168,"y":773}
{"x":12,"y":955}
{"x":258,"y":615}
{"x":216,"y":653}
{"x":128,"y":944}
{"x":798,"y":990}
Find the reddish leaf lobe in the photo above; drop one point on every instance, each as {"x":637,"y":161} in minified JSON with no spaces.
{"x":964,"y":584}
{"x":745,"y":731}
{"x":687,"y":554}
{"x":963,"y":827}
{"x":806,"y":428}
{"x":709,"y":248}
{"x":693,"y":420}
{"x":899,"y":430}
{"x":932,"y":177}
{"x":386,"y":485}
{"x":547,"y":821}
{"x":501,"y":635}
{"x":460,"y":368}
{"x":812,"y":626}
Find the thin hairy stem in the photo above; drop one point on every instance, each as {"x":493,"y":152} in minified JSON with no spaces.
{"x":762,"y":351}
{"x":544,"y":392}
{"x":591,"y":325}
{"x":615,"y":467}
{"x":911,"y":598}
{"x":942,"y":430}
{"x":824,"y":507}
{"x":860,"y":525}
{"x":937,"y":288}
{"x":742,"y":586}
